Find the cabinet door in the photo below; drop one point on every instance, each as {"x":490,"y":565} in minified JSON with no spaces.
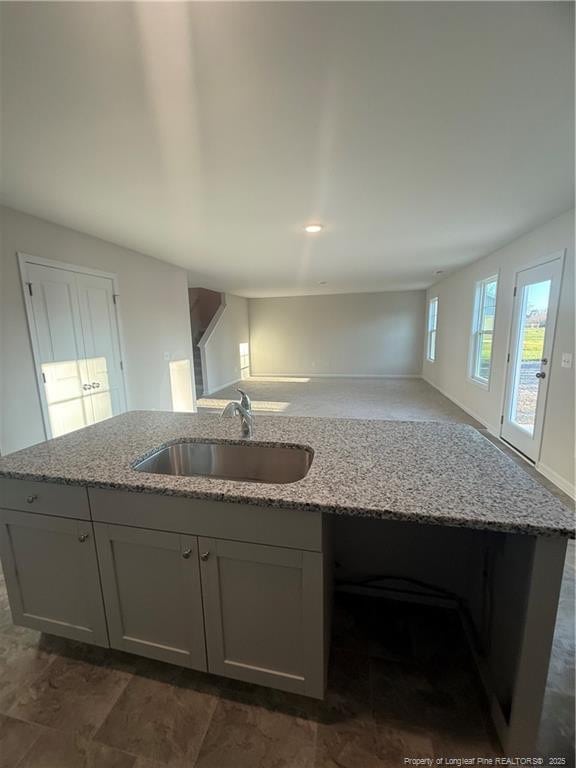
{"x":151,"y":584}
{"x":52,"y":575}
{"x":264,"y":612}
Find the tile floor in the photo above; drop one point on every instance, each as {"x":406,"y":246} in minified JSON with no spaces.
{"x":401,"y":684}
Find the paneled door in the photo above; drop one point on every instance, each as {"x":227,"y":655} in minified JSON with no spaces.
{"x":264,"y":611}
{"x":536,"y":296}
{"x":151,"y":583}
{"x":101,"y":345}
{"x":75,"y":340}
{"x":52,"y":575}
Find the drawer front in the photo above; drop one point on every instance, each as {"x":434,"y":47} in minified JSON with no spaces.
{"x":45,"y":498}
{"x":292,"y":528}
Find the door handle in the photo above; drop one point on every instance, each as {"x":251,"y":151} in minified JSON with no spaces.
{"x":86,"y":386}
{"x":540,"y":375}
{"x":82,"y":538}
{"x":95,"y":385}
{"x":186,"y":554}
{"x":204,"y":556}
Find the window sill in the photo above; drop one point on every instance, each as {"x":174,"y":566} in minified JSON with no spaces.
{"x":479,"y":383}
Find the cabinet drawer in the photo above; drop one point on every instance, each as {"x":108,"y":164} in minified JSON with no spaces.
{"x":292,"y":528}
{"x":45,"y":498}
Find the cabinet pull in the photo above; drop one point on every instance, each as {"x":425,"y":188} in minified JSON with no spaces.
{"x":204,"y":556}
{"x":82,"y":538}
{"x":186,"y":554}
{"x":31,"y":499}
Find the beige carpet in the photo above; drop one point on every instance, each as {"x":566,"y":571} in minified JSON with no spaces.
{"x":362,"y":398}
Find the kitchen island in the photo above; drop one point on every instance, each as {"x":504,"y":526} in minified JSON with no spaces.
{"x":234,"y":577}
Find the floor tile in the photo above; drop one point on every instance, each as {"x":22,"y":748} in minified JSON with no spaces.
{"x":16,"y":738}
{"x":398,"y":740}
{"x":241,"y":736}
{"x":162,"y":718}
{"x":20,"y":666}
{"x":346,"y":744}
{"x":71,"y":695}
{"x":557,"y":730}
{"x":55,"y":749}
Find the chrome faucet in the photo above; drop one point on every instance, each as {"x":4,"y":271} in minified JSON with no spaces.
{"x":242,"y":409}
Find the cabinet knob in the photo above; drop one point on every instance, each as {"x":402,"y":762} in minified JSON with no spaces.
{"x":82,"y":538}
{"x":31,"y":499}
{"x":186,"y":554}
{"x":204,"y":556}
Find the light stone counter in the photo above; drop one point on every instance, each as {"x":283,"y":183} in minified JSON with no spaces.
{"x":421,"y":472}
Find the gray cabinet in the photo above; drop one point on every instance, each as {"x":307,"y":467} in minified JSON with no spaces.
{"x":51,"y":573}
{"x":264,"y":614}
{"x":151,"y":585}
{"x":233,"y":589}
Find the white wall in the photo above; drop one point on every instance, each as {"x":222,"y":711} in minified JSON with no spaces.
{"x":455,"y":306}
{"x":220,"y":345}
{"x":363,"y":334}
{"x":154,"y":318}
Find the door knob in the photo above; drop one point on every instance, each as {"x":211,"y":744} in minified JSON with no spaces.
{"x":95,"y":385}
{"x":82,"y":538}
{"x":31,"y":499}
{"x":186,"y":554}
{"x":540,"y":375}
{"x":86,"y":386}
{"x":204,"y":556}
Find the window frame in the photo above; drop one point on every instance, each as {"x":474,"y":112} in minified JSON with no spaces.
{"x":432,"y":332}
{"x":477,"y":334}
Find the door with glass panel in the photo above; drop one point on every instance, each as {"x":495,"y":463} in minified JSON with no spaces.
{"x":74,"y":333}
{"x":534,"y":317}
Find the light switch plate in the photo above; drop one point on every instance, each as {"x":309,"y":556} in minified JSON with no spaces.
{"x":566,"y":360}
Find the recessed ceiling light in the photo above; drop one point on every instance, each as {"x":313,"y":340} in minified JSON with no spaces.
{"x":323,"y":282}
{"x":312,"y":229}
{"x":439,"y":271}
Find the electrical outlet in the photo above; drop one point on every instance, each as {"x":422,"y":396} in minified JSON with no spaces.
{"x":566,"y":359}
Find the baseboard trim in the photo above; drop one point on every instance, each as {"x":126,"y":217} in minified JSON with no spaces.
{"x":557,"y":479}
{"x":335,"y":376}
{"x":492,"y":428}
{"x":221,"y":386}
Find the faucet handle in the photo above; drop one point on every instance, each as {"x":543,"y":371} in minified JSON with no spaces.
{"x":245,"y":401}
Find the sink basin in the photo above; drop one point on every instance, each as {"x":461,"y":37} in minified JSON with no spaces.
{"x":251,"y":462}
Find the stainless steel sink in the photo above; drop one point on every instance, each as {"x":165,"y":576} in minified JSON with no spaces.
{"x":254,"y":463}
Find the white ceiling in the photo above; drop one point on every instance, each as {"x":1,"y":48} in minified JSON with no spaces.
{"x":423,"y":135}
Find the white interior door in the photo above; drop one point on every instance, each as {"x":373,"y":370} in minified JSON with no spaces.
{"x":534,"y":318}
{"x":76,"y":347}
{"x":102,"y":345}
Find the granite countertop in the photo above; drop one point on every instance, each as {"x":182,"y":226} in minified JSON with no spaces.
{"x":424,"y":472}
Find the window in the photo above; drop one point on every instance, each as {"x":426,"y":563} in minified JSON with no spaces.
{"x":432,"y":327}
{"x":244,"y":360}
{"x":483,"y":330}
